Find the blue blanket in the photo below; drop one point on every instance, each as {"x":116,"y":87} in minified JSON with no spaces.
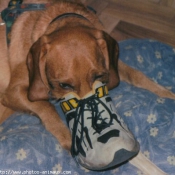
{"x":26,"y":147}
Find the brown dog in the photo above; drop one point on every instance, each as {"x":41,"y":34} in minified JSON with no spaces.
{"x":55,"y":51}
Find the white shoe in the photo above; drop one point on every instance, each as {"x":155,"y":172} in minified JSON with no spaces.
{"x":100,"y":139}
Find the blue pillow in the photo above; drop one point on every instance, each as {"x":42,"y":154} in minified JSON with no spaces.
{"x":26,"y":146}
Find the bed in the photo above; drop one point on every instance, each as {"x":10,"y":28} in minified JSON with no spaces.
{"x":27,"y":147}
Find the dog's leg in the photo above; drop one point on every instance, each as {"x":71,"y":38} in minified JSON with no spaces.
{"x":16,"y":98}
{"x":43,"y":109}
{"x":4,"y":63}
{"x":138,"y":79}
{"x":4,"y":113}
{"x":145,"y":165}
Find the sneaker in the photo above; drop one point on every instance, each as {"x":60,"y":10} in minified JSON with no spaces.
{"x":100,"y":138}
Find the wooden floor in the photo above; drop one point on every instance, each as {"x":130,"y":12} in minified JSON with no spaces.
{"x":124,"y":19}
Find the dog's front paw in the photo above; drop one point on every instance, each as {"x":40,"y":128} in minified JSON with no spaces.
{"x":66,"y":144}
{"x":64,"y":138}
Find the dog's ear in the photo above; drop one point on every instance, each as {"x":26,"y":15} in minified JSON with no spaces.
{"x":109,"y":48}
{"x":36,"y":63}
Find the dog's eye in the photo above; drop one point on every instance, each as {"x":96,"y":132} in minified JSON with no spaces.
{"x":98,"y":77}
{"x":65,"y":86}
{"x":102,"y":77}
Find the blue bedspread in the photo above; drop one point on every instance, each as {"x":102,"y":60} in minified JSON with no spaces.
{"x":26,"y":146}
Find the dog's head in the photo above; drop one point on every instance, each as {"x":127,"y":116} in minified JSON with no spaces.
{"x":70,"y":59}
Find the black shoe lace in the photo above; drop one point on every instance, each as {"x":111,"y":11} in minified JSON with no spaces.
{"x":99,"y":123}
